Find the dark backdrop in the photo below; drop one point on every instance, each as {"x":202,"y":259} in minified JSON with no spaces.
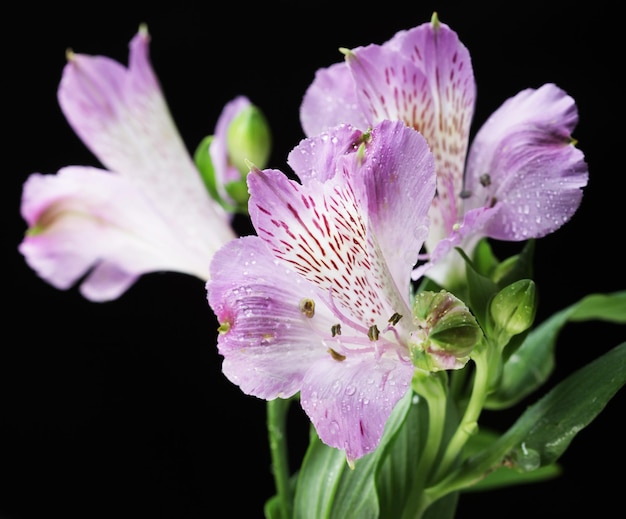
{"x":120,"y":409}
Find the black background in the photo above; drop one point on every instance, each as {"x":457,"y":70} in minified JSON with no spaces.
{"x":120,"y":409}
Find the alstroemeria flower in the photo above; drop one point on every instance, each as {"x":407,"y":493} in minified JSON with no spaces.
{"x":318,"y":302}
{"x":523,"y":175}
{"x":148,"y":211}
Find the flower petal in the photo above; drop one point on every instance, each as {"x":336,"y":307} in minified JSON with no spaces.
{"x":84,"y":219}
{"x":424,"y":77}
{"x":331,"y":100}
{"x":350,"y":401}
{"x":398,"y":176}
{"x":268,"y":343}
{"x":535,"y":173}
{"x":350,"y":233}
{"x":121,"y":116}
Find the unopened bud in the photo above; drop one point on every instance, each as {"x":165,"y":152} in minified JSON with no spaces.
{"x":249,"y":139}
{"x":450,"y":331}
{"x":513,"y":309}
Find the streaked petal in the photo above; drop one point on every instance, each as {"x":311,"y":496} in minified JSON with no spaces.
{"x":535,"y":172}
{"x":424,"y":77}
{"x":88,"y":221}
{"x":268,"y":343}
{"x":349,"y":402}
{"x":331,"y":100}
{"x":348,"y":235}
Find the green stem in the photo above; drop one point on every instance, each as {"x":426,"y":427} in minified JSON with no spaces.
{"x":432,"y":387}
{"x":276,"y":427}
{"x":469,"y":423}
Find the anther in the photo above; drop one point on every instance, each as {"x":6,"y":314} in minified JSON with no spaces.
{"x":307,"y":307}
{"x":335,"y":355}
{"x":394,"y":318}
{"x":373,"y":333}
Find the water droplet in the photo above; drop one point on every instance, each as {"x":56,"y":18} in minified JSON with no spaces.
{"x":527,"y":459}
{"x":350,"y":390}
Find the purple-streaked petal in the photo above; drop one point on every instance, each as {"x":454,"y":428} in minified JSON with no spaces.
{"x":349,"y":402}
{"x":268,"y":343}
{"x":122,"y":117}
{"x":424,"y":77}
{"x":320,"y":232}
{"x":395,"y":177}
{"x":331,"y":100}
{"x":89,"y":221}
{"x":524,"y":158}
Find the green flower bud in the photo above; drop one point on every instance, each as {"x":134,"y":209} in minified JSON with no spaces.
{"x":449,"y":331}
{"x":249,"y":139}
{"x":513,"y":309}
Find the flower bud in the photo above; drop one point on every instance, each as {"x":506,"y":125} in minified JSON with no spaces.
{"x":249,"y":139}
{"x":513,"y":308}
{"x":242,"y":137}
{"x":449,"y":331}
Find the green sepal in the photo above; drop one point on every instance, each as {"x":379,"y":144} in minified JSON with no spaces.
{"x":237,"y":190}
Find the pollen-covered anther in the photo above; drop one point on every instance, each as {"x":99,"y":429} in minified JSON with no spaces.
{"x":373,"y":333}
{"x":394,"y":318}
{"x":307,"y":307}
{"x":335,"y":329}
{"x":485,"y":180}
{"x":335,"y":355}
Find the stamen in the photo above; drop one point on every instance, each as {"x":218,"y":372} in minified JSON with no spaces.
{"x":349,"y":322}
{"x":373,"y":333}
{"x":337,"y":356}
{"x":485,"y":180}
{"x":307,"y":307}
{"x":335,"y":329}
{"x":394,"y":318}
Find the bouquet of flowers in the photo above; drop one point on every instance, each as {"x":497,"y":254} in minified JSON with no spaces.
{"x":369,"y":292}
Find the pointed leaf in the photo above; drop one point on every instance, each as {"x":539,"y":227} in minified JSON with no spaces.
{"x":546,"y":429}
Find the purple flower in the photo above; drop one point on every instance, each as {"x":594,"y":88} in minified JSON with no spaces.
{"x":148,"y":211}
{"x":523,"y":173}
{"x":319,"y":301}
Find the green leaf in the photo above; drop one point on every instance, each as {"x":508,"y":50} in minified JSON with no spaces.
{"x":516,"y":267}
{"x":506,"y":477}
{"x":531,"y":364}
{"x":395,"y":474}
{"x":545,"y":430}
{"x":605,"y":307}
{"x":444,"y":508}
{"x":481,"y":290}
